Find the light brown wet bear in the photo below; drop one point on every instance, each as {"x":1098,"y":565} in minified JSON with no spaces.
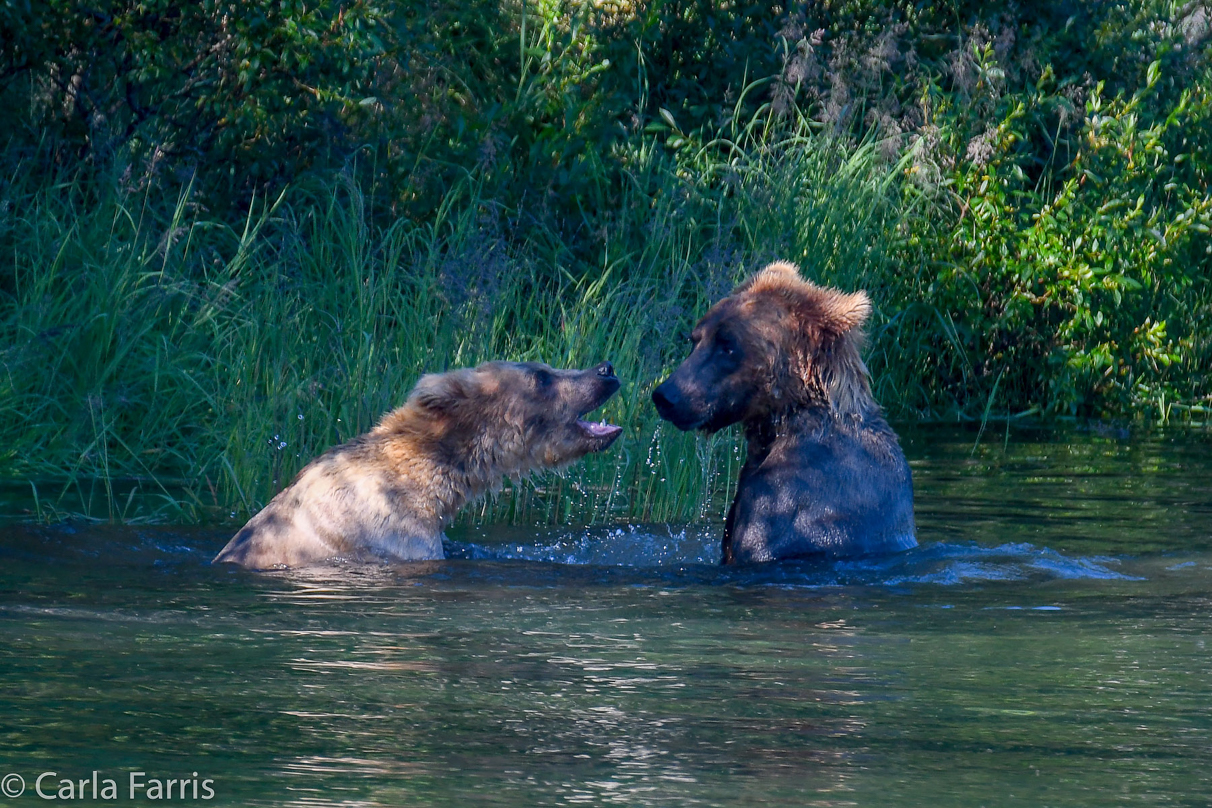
{"x":389,"y":493}
{"x":824,"y":474}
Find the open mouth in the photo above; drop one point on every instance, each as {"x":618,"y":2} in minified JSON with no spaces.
{"x":599,"y":430}
{"x":600,"y":433}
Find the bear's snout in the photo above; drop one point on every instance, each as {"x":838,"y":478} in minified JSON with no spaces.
{"x":671,"y":405}
{"x":664,"y":398}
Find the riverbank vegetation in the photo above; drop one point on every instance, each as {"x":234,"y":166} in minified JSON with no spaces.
{"x":236,"y":234}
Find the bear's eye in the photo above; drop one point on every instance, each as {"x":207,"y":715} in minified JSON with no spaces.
{"x":726,"y":344}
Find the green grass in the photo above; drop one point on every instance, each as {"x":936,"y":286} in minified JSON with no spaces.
{"x":159,"y":365}
{"x":1034,"y":227}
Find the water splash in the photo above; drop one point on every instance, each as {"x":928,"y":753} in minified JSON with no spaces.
{"x":941,"y":563}
{"x":676,"y":552}
{"x":626,"y":546}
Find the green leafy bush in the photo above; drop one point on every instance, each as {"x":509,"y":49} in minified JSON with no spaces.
{"x":251,"y":92}
{"x":1084,"y":291}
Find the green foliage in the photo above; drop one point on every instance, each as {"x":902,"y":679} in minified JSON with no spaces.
{"x":256,"y":88}
{"x":218,"y":217}
{"x":1085,"y":292}
{"x":187,"y":365}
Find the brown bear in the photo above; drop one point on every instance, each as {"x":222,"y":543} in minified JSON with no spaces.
{"x":824,"y":474}
{"x":389,"y":493}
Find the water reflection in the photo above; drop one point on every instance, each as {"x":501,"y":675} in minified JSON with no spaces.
{"x":559,"y":694}
{"x":1047,"y":644}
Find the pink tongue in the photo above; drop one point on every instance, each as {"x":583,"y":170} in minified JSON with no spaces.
{"x":597,"y":430}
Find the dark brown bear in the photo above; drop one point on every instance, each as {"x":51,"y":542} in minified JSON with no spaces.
{"x":389,"y":493}
{"x":824,"y":473}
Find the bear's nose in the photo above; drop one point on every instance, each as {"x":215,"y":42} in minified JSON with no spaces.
{"x":666,"y":399}
{"x":606,"y":369}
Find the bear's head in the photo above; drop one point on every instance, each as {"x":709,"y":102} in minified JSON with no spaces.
{"x":516,"y":416}
{"x":777,"y":344}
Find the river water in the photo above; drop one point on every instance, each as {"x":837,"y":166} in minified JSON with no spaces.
{"x":1050,"y":643}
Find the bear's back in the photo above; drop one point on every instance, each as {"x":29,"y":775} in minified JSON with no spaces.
{"x":825,"y":487}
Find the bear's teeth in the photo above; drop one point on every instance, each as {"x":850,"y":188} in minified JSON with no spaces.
{"x":596,"y":428}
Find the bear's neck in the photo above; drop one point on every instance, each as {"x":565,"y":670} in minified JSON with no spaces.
{"x":797,"y":422}
{"x":449,"y":465}
{"x":839,"y":380}
{"x":828,"y":383}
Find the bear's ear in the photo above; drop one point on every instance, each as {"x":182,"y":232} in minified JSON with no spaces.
{"x":781,"y":271}
{"x":777,"y":277}
{"x":444,"y":392}
{"x":839,"y":313}
{"x":829,"y":311}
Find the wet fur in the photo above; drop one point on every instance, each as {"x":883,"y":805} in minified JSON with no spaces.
{"x":824,"y":473}
{"x":390,"y":492}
